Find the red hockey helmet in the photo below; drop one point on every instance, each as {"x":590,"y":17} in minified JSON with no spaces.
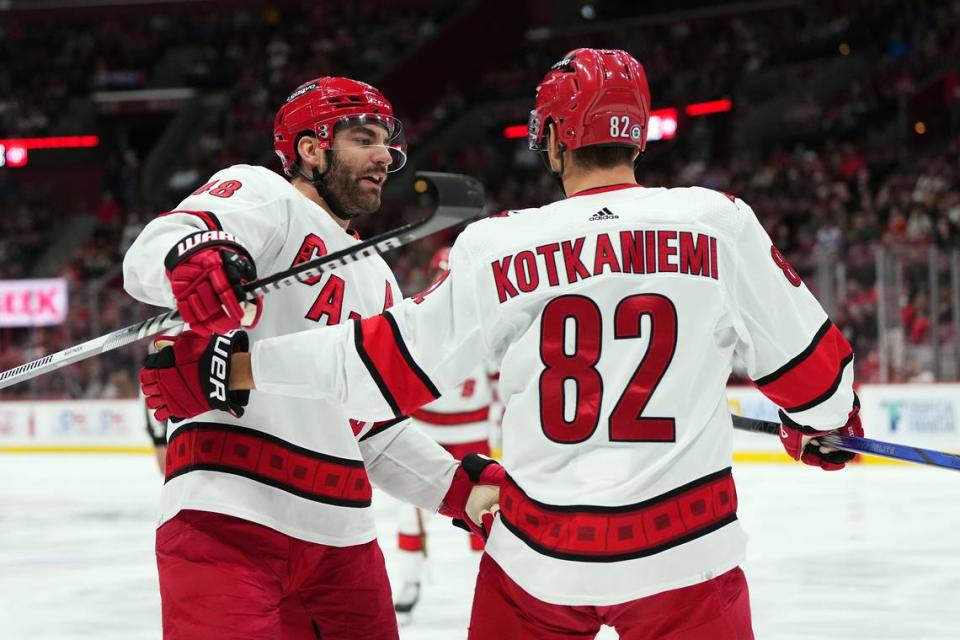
{"x":323,"y":106}
{"x":593,"y":96}
{"x":440,"y":260}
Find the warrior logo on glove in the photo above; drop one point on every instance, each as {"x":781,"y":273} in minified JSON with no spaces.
{"x":197,"y":240}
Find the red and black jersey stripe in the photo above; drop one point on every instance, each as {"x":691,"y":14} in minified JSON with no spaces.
{"x":404,"y":385}
{"x":209,"y":219}
{"x":451,"y":419}
{"x":813,"y":375}
{"x":267,"y":459}
{"x":589,"y":533}
{"x":380,"y":427}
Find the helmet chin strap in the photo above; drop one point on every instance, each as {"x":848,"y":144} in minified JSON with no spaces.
{"x":557,"y":175}
{"x":336,"y":207}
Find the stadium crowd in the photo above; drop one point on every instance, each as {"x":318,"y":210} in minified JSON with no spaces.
{"x":828,"y":186}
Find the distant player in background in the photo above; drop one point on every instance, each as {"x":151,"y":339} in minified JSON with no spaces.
{"x":156,"y":429}
{"x":157,"y":432}
{"x":460,"y":421}
{"x":613,"y":315}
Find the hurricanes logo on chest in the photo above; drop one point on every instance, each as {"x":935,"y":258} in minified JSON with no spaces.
{"x":328,"y":305}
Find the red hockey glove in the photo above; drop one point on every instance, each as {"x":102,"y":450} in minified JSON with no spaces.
{"x":206,"y":271}
{"x":190,"y":375}
{"x":474,"y":495}
{"x":801,"y":443}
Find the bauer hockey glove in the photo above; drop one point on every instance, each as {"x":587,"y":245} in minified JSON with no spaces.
{"x":190,"y":375}
{"x":474,"y":495}
{"x":801,"y":442}
{"x":207,"y":271}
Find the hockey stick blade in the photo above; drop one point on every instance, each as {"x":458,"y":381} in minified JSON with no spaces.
{"x":867,"y":446}
{"x":460,"y":199}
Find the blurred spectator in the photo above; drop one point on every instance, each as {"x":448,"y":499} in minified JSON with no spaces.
{"x":108,"y":212}
{"x":829,"y":184}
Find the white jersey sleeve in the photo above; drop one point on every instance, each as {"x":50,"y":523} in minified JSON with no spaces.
{"x":407,"y":464}
{"x":793,"y":352}
{"x":241,"y":200}
{"x":387,"y":365}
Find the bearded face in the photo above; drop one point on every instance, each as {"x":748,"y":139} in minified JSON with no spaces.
{"x":355,"y":182}
{"x":358,"y":168}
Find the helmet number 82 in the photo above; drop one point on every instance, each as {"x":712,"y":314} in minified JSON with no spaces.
{"x":620,"y":126}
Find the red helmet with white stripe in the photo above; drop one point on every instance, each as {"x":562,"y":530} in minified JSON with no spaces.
{"x":592,"y":96}
{"x":323,"y":106}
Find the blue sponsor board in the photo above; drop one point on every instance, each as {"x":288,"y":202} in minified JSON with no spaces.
{"x":921,"y":415}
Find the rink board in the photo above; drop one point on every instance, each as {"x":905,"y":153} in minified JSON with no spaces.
{"x":923,"y":415}
{"x":112,"y":426}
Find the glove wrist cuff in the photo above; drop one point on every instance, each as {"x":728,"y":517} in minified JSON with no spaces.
{"x":455,"y":501}
{"x":199,"y":241}
{"x":214,"y":370}
{"x":792,"y":424}
{"x":474,"y":469}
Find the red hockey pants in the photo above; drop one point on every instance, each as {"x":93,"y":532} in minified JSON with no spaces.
{"x":223,"y":577}
{"x":717,"y":609}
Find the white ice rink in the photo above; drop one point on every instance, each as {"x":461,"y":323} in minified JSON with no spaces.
{"x":872,"y":552}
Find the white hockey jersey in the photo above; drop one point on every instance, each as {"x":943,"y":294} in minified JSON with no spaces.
{"x":300,"y":466}
{"x":614,"y":316}
{"x":462,"y":414}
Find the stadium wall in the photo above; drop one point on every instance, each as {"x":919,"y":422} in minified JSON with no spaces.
{"x":926,"y":415}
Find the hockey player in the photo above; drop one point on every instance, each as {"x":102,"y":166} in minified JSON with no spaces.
{"x":266,"y":528}
{"x":157,"y":432}
{"x":614,"y":315}
{"x":460,"y":422}
{"x":156,"y":429}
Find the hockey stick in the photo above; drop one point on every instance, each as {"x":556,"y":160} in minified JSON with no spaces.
{"x":866,"y":446}
{"x":459,"y":199}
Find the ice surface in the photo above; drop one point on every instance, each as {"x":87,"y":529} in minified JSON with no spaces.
{"x":870,"y":552}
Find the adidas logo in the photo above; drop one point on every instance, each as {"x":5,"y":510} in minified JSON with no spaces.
{"x":604,"y":214}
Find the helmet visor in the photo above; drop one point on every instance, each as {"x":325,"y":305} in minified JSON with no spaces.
{"x":368,"y":131}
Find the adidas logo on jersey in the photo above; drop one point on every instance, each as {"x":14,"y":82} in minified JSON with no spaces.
{"x":604,"y":214}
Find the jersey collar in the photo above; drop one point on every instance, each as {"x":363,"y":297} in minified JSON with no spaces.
{"x":603,"y":189}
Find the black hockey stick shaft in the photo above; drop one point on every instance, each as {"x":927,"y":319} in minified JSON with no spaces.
{"x":868,"y":446}
{"x":460,"y":199}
